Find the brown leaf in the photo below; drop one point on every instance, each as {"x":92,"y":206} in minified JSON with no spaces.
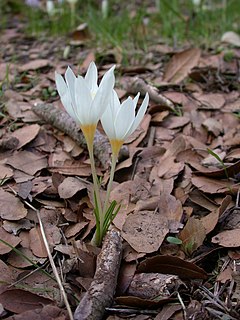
{"x":181,"y":64}
{"x":27,"y":162}
{"x":228,"y":238}
{"x":34,"y":65}
{"x":12,"y":240}
{"x":172,"y":265}
{"x":11,"y":207}
{"x":5,"y":172}
{"x":18,"y":301}
{"x":170,"y":207}
{"x":26,"y":134}
{"x":213,"y":125}
{"x":211,"y":100}
{"x":199,"y":198}
{"x":125,"y":276}
{"x":75,"y":229}
{"x":36,"y":243}
{"x":140,"y":303}
{"x":145,"y":230}
{"x":18,"y":261}
{"x":168,"y":311}
{"x":7,"y":273}
{"x":192,"y":235}
{"x":212,"y":185}
{"x":69,"y":187}
{"x":46,"y":313}
{"x":169,"y":168}
{"x":209,"y":221}
{"x":174,"y":122}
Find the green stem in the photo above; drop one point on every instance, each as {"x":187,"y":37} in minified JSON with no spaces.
{"x":97,"y":193}
{"x":109,"y":187}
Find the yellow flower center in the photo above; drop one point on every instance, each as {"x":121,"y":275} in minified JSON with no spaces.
{"x":89,"y":131}
{"x":116,"y":146}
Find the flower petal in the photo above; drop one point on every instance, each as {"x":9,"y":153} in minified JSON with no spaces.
{"x":140,"y":114}
{"x":83,"y":101}
{"x":61,"y":84}
{"x":135,"y":100}
{"x":103,"y":95}
{"x":70,"y":79}
{"x":109,"y":115}
{"x":124,"y":118}
{"x":91,"y":78}
{"x":65,"y":96}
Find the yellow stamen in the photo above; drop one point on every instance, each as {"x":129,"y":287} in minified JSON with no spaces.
{"x":116,"y":146}
{"x":89,"y":131}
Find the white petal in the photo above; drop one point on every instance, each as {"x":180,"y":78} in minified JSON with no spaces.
{"x":83,"y":101}
{"x":135,"y":100}
{"x":65,"y":95}
{"x":103,"y":95}
{"x":107,"y":124}
{"x":140,"y":114}
{"x":124,"y":118}
{"x":91,"y":77}
{"x":109,"y":77}
{"x":61,"y":84}
{"x":70,"y":79}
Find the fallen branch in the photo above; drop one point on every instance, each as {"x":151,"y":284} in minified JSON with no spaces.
{"x":100,"y":294}
{"x":63,"y":122}
{"x":135,"y":85}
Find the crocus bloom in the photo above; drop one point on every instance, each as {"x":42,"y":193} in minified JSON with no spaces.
{"x":119,"y":121}
{"x":83,"y":99}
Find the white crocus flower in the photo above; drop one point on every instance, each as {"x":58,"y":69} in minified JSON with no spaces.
{"x":119,"y":121}
{"x":83,"y":99}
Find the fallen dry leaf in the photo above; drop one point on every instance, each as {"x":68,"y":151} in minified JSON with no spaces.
{"x":36,"y":243}
{"x":11,"y":207}
{"x":18,"y":300}
{"x":69,"y":187}
{"x":47,"y":312}
{"x":34,"y":65}
{"x":5,"y":172}
{"x":171,"y":265}
{"x":231,"y":37}
{"x":181,"y":64}
{"x":28,"y":162}
{"x":192,"y":235}
{"x":136,"y":302}
{"x":26,"y":134}
{"x":211,"y":100}
{"x":145,"y":230}
{"x":170,"y":207}
{"x":10,"y":239}
{"x":228,"y":238}
{"x":212,"y":185}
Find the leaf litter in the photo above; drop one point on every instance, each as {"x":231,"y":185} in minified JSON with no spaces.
{"x":169,"y":186}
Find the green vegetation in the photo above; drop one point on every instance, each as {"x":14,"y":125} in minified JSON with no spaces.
{"x":126,"y":26}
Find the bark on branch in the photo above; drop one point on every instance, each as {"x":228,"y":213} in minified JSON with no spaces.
{"x":63,"y":122}
{"x":102,"y":289}
{"x":135,"y":85}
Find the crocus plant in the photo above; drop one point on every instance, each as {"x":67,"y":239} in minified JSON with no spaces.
{"x":87,"y":103}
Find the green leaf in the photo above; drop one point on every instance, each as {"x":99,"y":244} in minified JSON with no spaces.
{"x":174,"y":240}
{"x":216,"y":156}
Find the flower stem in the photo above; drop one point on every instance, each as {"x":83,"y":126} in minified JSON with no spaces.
{"x":98,"y":236}
{"x":109,"y":187}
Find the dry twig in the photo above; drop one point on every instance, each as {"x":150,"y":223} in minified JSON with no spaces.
{"x":100,"y":294}
{"x":135,"y":85}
